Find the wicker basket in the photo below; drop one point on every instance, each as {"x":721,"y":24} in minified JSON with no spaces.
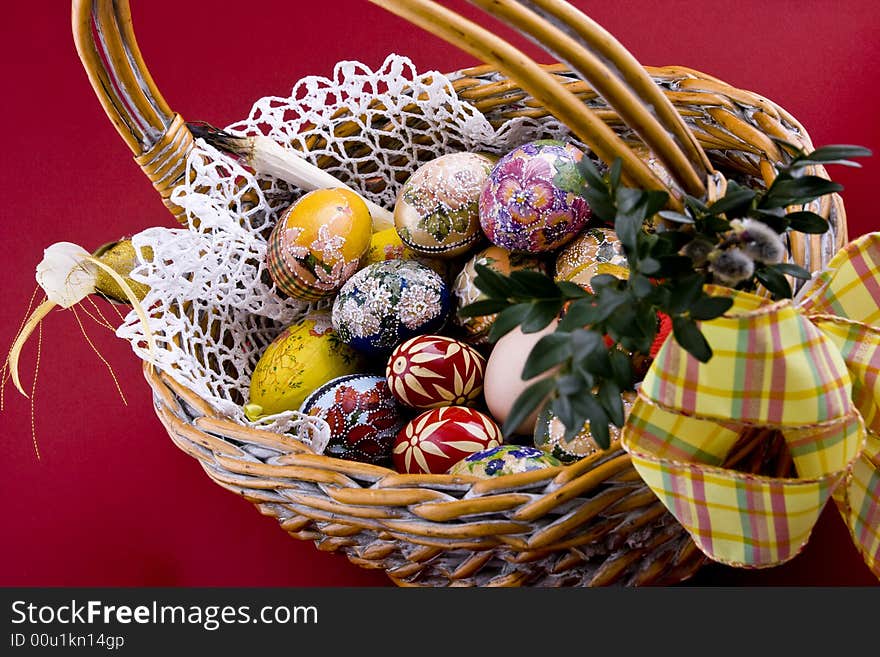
{"x":590,"y":523}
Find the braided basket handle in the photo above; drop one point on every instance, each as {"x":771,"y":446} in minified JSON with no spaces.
{"x":159,"y":138}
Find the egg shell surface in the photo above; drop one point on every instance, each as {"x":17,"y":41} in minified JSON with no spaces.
{"x":437,"y":211}
{"x":529,"y":203}
{"x":430,"y":371}
{"x":388,"y":302}
{"x":302,"y":358}
{"x":504,"y":460}
{"x":363,"y":417}
{"x":435,"y":440}
{"x":504,"y":383}
{"x":318,"y":243}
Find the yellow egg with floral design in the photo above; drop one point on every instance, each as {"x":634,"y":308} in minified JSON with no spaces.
{"x":318,"y":243}
{"x":304,"y":357}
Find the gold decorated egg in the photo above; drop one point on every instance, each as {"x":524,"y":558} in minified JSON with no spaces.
{"x":550,"y":435}
{"x":466,"y":292}
{"x":318,"y":243}
{"x":300,"y":360}
{"x":437,"y":211}
{"x":595,"y":251}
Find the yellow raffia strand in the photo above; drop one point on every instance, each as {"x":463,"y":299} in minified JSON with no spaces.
{"x":34,"y":391}
{"x":99,"y":354}
{"x":4,"y":373}
{"x":32,"y":323}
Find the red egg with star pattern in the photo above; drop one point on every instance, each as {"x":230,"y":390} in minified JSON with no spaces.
{"x":431,"y":371}
{"x":435,"y":440}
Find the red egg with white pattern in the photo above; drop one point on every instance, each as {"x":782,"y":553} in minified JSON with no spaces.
{"x":434,"y":441}
{"x":430,"y":371}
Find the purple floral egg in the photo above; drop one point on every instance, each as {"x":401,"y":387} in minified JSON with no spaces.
{"x":528,"y":203}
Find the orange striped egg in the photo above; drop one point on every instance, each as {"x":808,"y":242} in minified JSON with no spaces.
{"x":430,"y":371}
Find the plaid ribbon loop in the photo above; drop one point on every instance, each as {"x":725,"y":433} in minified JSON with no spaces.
{"x":809,"y":369}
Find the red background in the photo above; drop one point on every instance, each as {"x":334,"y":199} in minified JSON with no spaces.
{"x":113,"y":501}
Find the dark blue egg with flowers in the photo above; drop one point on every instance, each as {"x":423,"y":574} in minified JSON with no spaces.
{"x":388,"y":302}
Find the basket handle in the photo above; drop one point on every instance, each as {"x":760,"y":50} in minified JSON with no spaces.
{"x":604,"y":63}
{"x":158,"y":137}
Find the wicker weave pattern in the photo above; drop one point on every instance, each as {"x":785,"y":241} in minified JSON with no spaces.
{"x":590,"y":523}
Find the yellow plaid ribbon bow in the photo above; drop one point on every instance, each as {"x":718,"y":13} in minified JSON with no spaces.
{"x":808,"y":368}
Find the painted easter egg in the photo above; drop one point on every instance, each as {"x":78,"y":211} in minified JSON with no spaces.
{"x":387,"y":245}
{"x":318,"y":243}
{"x":504,"y":383}
{"x":388,"y":302}
{"x":362,"y":415}
{"x":437,"y":211}
{"x":504,"y":460}
{"x":595,"y":251}
{"x":528,"y":203}
{"x":430,"y":371}
{"x":466,"y":292}
{"x":302,"y":358}
{"x":550,"y":435}
{"x":434,"y":441}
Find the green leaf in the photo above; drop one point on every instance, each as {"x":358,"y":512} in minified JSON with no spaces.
{"x":571,"y":290}
{"x":836,"y":154}
{"x":491,"y":283}
{"x":689,"y":336}
{"x":709,"y":307}
{"x":580,"y":313}
{"x":653,"y":201}
{"x":641,"y":285}
{"x":650,"y":266}
{"x":590,"y":172}
{"x":609,"y":397}
{"x":614,"y":173}
{"x":735,"y":197}
{"x":483,"y":307}
{"x":628,"y":199}
{"x":548,"y":352}
{"x":589,"y":409}
{"x":695,"y":205}
{"x":774,"y":281}
{"x":621,"y":369}
{"x":564,"y":409}
{"x":540,"y":315}
{"x":569,"y":384}
{"x":535,"y":284}
{"x":526,"y":402}
{"x":805,"y":221}
{"x":585,"y":342}
{"x":600,"y":281}
{"x":677,"y":217}
{"x":684,"y":293}
{"x":798,"y":191}
{"x":792,"y":270}
{"x":507,"y":320}
{"x":627,"y":228}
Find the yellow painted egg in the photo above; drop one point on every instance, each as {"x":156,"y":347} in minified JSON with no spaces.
{"x":595,"y":251}
{"x":386,"y":245}
{"x":503,"y":382}
{"x":318,"y":243}
{"x":300,"y":360}
{"x":437,"y":211}
{"x":466,"y":292}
